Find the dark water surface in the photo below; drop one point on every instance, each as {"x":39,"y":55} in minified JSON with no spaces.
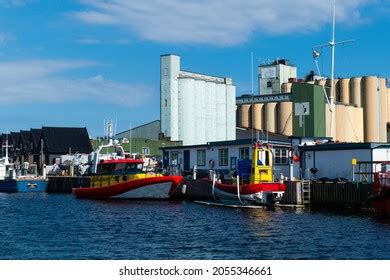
{"x":48,"y":226}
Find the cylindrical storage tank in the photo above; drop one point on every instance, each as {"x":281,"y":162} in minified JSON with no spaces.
{"x":358,"y":121}
{"x":336,"y":89}
{"x":186,"y":110}
{"x":285,"y":118}
{"x":258,"y":116}
{"x":388,"y":105}
{"x":370,"y":106}
{"x":286,"y":87}
{"x":270,"y":117}
{"x":341,"y":123}
{"x":383,"y":109}
{"x":355,"y":91}
{"x":344,"y":91}
{"x":244,"y":116}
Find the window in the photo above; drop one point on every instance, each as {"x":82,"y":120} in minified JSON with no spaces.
{"x":244,"y":153}
{"x":269,"y":84}
{"x":281,"y":156}
{"x":174,"y":158}
{"x":145,"y":150}
{"x":223,"y":157}
{"x":201,"y":157}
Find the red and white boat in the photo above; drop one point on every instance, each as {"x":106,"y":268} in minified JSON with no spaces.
{"x":125,"y":178}
{"x":118,"y":176}
{"x":259,"y":190}
{"x":380,"y":201}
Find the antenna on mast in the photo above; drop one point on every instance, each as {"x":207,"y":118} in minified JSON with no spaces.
{"x":252,"y":95}
{"x":316,"y":54}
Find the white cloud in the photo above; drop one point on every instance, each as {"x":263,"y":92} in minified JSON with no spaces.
{"x":92,"y":41}
{"x":88,"y":41}
{"x":43,"y":81}
{"x":216,"y":22}
{"x":13,"y":3}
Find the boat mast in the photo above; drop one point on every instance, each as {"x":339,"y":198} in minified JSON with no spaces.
{"x":332,"y":94}
{"x":316,"y":54}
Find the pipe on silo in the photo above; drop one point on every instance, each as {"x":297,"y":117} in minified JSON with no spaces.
{"x":370,"y":106}
{"x":355,"y":91}
{"x":285,"y":118}
{"x":286,"y":87}
{"x":258,"y":116}
{"x":344,"y":91}
{"x":270,"y":117}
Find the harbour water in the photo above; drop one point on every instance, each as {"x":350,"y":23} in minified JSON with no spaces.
{"x":59,"y":226}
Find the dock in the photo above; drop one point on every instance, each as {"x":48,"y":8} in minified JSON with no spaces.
{"x":64,"y":184}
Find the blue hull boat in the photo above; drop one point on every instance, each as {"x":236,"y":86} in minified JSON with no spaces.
{"x":23,"y":185}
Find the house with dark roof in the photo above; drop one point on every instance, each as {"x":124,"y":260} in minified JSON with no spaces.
{"x":24,"y":145}
{"x":57,"y":141}
{"x":34,"y":149}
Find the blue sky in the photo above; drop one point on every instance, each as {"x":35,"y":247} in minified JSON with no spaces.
{"x":78,"y":62}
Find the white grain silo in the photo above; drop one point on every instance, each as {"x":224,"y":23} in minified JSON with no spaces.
{"x":371,"y":106}
{"x":245,"y":116}
{"x":383,"y":109}
{"x":203,"y":110}
{"x":285,"y":118}
{"x":270,"y":117}
{"x":344,"y":91}
{"x":258,"y":116}
{"x":355,"y":91}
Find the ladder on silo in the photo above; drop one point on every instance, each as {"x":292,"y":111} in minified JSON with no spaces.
{"x":306,"y":192}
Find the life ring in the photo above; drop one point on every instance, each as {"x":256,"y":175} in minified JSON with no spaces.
{"x":211,"y":163}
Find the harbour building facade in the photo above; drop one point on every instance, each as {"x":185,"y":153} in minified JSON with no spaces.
{"x":195,"y":108}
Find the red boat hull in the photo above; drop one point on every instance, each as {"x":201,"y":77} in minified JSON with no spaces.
{"x":119,"y":190}
{"x":252,"y":193}
{"x":381,"y":202}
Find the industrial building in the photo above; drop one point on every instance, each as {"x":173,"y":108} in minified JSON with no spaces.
{"x":361,"y":110}
{"x":195,"y":108}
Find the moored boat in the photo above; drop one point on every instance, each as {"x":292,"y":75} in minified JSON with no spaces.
{"x":11,"y":181}
{"x":259,"y":188}
{"x":125,"y":178}
{"x":116,"y":175}
{"x":380,"y":200}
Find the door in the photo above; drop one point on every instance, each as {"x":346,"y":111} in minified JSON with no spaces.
{"x":186,"y":160}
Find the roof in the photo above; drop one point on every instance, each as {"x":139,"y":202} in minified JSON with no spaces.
{"x":35,"y":134}
{"x":343,"y":146}
{"x":238,"y":142}
{"x":14,"y":138}
{"x":109,"y":161}
{"x":24,"y":136}
{"x":242,"y":133}
{"x":63,"y":140}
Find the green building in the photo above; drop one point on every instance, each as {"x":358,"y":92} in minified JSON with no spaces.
{"x":309,"y":118}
